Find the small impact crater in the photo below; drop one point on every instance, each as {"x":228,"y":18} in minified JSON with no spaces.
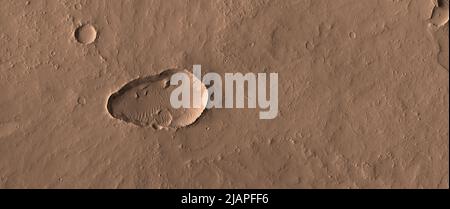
{"x":86,"y":34}
{"x":438,"y":27}
{"x":440,"y":14}
{"x":145,"y":102}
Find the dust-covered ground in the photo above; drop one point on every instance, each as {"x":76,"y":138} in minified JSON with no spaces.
{"x":363,"y":93}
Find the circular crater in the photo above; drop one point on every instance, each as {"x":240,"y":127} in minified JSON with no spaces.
{"x":86,"y":34}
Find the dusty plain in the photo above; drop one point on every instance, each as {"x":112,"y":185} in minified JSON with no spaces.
{"x":363,"y":93}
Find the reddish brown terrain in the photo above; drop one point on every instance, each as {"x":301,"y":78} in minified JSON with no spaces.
{"x":363,"y":94}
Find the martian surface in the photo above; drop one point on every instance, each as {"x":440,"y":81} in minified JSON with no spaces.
{"x":363,"y":94}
